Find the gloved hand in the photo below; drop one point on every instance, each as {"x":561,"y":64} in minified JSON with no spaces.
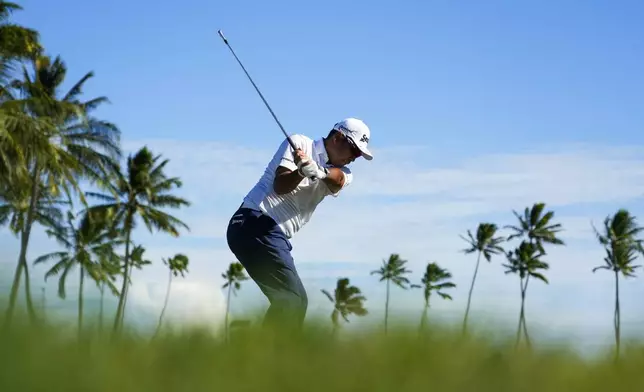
{"x":312,"y":170}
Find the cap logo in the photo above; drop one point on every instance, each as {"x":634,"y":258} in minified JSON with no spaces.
{"x":364,"y":138}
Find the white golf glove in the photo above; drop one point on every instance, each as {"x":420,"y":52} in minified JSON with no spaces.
{"x":311,"y":170}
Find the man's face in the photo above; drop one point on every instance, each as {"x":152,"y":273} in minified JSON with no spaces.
{"x":342,"y":150}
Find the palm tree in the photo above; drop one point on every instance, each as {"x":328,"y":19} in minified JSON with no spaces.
{"x":75,"y":146}
{"x":536,"y":228}
{"x":233,"y":277}
{"x":525,"y":261}
{"x":14,"y":210}
{"x":347,"y":300}
{"x":434,"y":279}
{"x":177,"y":265}
{"x":141,"y":192}
{"x":619,"y":239}
{"x":86,"y":246}
{"x":486,"y":244}
{"x":392,"y":270}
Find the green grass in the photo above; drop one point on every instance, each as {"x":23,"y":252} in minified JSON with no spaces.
{"x":51,"y":358}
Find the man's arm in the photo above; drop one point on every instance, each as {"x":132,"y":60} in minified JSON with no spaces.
{"x":338,"y":179}
{"x":286,"y":180}
{"x":335,"y":180}
{"x":287,"y":177}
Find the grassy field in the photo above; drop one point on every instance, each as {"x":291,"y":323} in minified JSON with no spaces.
{"x":51,"y":358}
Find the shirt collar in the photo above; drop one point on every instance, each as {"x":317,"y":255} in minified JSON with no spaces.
{"x":320,"y":151}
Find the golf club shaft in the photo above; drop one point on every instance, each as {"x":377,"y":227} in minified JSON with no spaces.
{"x":257,"y":89}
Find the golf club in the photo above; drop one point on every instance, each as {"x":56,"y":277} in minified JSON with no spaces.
{"x":257,"y":89}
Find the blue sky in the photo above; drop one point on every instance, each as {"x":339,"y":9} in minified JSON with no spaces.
{"x":476,"y":108}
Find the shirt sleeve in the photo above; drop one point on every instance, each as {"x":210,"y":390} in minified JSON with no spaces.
{"x":348,"y":178}
{"x":285,"y":152}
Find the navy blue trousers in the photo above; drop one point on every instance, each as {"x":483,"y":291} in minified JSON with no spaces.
{"x":265,"y":252}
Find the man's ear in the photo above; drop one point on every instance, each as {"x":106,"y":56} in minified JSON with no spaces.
{"x":337,"y":138}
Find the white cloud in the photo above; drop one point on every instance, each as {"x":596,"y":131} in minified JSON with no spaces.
{"x":499,"y":179}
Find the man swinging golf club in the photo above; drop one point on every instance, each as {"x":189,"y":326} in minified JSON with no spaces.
{"x":282,"y":202}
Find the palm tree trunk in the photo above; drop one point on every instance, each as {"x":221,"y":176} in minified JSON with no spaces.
{"x":387,"y":307}
{"x":423,"y":318}
{"x":22,"y":257}
{"x":165,"y":303}
{"x":28,"y":299}
{"x":230,"y":286}
{"x":80,"y":301}
{"x":469,"y":297}
{"x":335,"y":321}
{"x":14,"y":290}
{"x":43,"y":302}
{"x":520,"y":313}
{"x":522,"y":323}
{"x":129,"y":269}
{"x":120,"y":309}
{"x":100,"y":312}
{"x":617,"y":320}
{"x":525,"y":326}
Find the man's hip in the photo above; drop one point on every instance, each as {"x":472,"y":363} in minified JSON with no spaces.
{"x":250,"y":230}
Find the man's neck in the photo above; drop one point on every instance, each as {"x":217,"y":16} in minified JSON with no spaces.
{"x":326,"y":149}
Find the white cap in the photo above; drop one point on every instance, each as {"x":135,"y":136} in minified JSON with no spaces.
{"x":358,"y":132}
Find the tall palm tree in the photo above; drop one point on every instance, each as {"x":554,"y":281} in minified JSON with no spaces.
{"x":537,"y":228}
{"x":485,"y":243}
{"x":14,"y":211}
{"x":233,"y":277}
{"x":620,"y":240}
{"x":177,"y":265}
{"x":76,"y":146}
{"x":435,"y":279}
{"x":347,"y":300}
{"x":392,"y":270}
{"x":86,"y":245}
{"x":526,"y":262}
{"x":141,"y":192}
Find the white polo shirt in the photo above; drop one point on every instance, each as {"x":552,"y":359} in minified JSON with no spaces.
{"x":294,"y":209}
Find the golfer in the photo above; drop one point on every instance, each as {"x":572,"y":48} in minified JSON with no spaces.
{"x":282,"y":202}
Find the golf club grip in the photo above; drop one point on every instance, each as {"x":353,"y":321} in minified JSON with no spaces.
{"x":291,"y":143}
